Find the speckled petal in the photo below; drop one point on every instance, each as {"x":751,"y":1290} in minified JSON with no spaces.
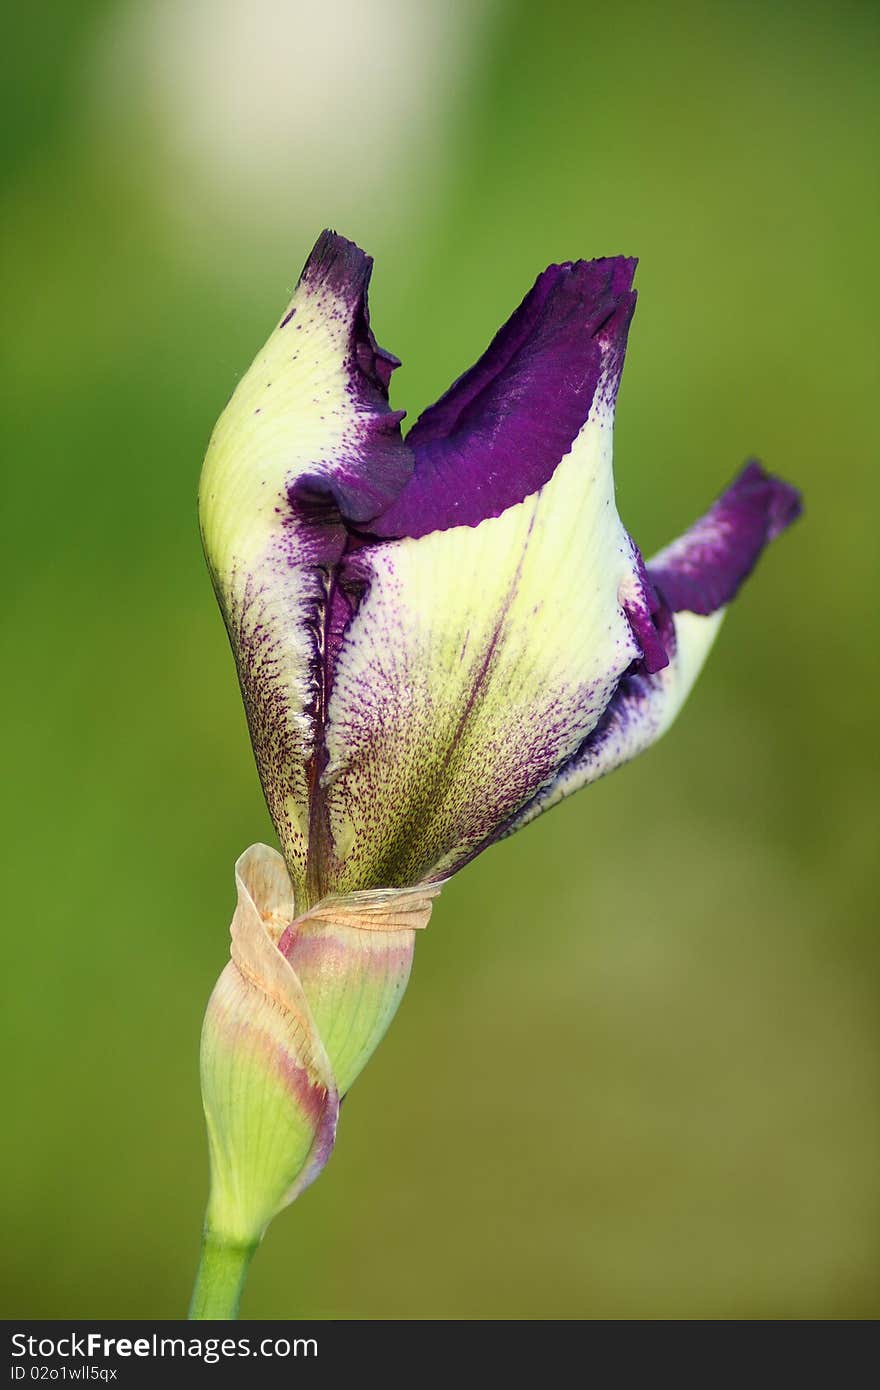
{"x":640,"y":711}
{"x":689,"y":584}
{"x":306,"y":448}
{"x":479,"y":660}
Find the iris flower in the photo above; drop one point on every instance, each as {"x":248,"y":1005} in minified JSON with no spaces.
{"x":438,"y":636}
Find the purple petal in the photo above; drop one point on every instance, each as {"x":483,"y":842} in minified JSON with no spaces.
{"x":499,"y":432}
{"x":649,"y":618}
{"x":703,"y":570}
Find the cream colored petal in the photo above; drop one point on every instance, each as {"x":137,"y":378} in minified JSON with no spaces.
{"x":641,"y":711}
{"x":306,"y":441}
{"x":479,"y":660}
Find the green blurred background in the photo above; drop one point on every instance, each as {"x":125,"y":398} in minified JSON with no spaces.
{"x":636,"y":1071}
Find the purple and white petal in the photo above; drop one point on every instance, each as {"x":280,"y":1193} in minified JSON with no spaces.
{"x":307,"y":448}
{"x":693,"y":579}
{"x":479,"y":660}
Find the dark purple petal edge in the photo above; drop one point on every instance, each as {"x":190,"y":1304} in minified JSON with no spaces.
{"x":501,"y":429}
{"x":704,"y":569}
{"x":356,"y":487}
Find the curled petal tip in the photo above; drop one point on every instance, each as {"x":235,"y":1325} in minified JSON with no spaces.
{"x":781,"y":502}
{"x":704,"y":569}
{"x":341,"y":267}
{"x":339,"y":264}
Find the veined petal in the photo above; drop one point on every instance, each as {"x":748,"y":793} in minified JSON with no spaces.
{"x":353,"y":956}
{"x":641,"y":709}
{"x":306,"y":447}
{"x":695,"y":576}
{"x":480,"y":659}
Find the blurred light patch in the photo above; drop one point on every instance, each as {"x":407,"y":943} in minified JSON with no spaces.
{"x":260,"y":106}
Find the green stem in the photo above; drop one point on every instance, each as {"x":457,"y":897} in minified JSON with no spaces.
{"x":223,"y":1267}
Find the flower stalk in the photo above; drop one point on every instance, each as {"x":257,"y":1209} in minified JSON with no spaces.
{"x":223,"y":1267}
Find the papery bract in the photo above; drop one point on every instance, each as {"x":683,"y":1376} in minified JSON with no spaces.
{"x":293,"y":1018}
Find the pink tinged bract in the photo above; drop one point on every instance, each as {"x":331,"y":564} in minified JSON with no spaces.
{"x":294,"y":1017}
